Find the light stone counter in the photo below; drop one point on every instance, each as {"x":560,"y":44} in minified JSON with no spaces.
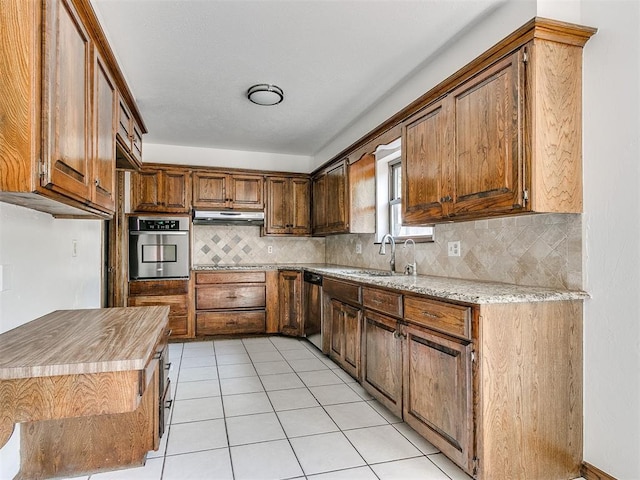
{"x":475,"y":292}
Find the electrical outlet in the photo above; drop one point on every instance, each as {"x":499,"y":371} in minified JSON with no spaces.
{"x":270,"y":249}
{"x":358,"y":248}
{"x":74,"y":248}
{"x":453,"y":249}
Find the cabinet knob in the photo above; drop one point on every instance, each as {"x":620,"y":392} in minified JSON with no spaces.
{"x":97,"y":182}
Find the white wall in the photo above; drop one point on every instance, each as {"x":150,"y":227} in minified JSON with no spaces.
{"x":612,"y":235}
{"x":41,"y":275}
{"x":226,"y":158}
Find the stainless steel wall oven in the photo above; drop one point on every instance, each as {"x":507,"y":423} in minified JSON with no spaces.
{"x":158,"y":247}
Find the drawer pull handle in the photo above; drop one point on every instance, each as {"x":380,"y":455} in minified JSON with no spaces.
{"x":430,"y":315}
{"x":167,"y":366}
{"x":232,"y":297}
{"x":168,"y":403}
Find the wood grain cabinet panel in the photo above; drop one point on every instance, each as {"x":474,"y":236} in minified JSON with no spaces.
{"x":175,"y":294}
{"x":60,"y":80}
{"x":290,"y":294}
{"x":288,"y":206}
{"x":438,"y":392}
{"x":161,"y":190}
{"x":215,"y":190}
{"x":503,"y":136}
{"x":382,"y":360}
{"x":104,"y":146}
{"x":231,"y":303}
{"x":444,"y":317}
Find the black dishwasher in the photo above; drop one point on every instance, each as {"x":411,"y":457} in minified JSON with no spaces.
{"x":313,"y":308}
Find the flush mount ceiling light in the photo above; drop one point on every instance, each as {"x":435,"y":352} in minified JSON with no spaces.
{"x":265,"y":94}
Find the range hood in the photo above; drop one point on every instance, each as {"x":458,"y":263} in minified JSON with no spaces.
{"x":227,"y":217}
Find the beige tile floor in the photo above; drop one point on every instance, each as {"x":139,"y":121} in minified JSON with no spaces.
{"x":276,"y":408}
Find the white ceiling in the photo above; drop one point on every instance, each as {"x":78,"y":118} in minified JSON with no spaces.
{"x":190,"y":62}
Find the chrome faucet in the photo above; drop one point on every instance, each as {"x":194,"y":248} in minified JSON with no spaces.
{"x":411,"y":268}
{"x":383,"y":251}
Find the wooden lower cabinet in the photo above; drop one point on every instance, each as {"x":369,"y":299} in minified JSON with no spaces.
{"x":174,"y":293}
{"x":382,"y":360}
{"x":437,"y":398}
{"x":290,"y":292}
{"x":346,"y":327}
{"x":231,"y":303}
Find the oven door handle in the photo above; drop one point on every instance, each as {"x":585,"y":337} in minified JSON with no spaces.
{"x":160,"y":232}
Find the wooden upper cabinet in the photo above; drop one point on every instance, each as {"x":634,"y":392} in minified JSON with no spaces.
{"x":344,"y":197}
{"x":505,"y":139}
{"x":161,"y":190}
{"x":57,"y":98}
{"x":129,"y":138}
{"x":221,"y":190}
{"x":288,"y":206}
{"x":67,"y":102}
{"x":426,"y":153}
{"x":488,"y":151}
{"x":104,"y":148}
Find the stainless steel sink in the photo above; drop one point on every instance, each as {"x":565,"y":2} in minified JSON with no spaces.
{"x":370,"y":273}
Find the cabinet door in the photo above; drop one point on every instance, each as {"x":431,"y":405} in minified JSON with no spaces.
{"x":336,"y":319}
{"x":290,"y":292}
{"x":382,"y":360}
{"x":300,"y":206}
{"x":176,"y":191}
{"x":178,"y":310}
{"x":437,"y":392}
{"x":319,"y":204}
{"x":488,"y":135}
{"x":426,"y":151}
{"x":336,"y":198}
{"x":67,"y":98}
{"x":352,"y":336}
{"x":246,"y":192}
{"x":278,"y":197}
{"x":210,"y":190}
{"x":146,"y":191}
{"x":104,"y":153}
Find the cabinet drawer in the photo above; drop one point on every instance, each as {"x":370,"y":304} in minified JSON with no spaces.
{"x":216,"y":323}
{"x":177,"y":303}
{"x":444,"y":317}
{"x":158,"y":287}
{"x":178,"y":325}
{"x":228,"y":297}
{"x":382,"y":301}
{"x":347,"y":292}
{"x":230,"y":277}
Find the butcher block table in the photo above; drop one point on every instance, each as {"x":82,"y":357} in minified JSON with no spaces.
{"x":85,"y":385}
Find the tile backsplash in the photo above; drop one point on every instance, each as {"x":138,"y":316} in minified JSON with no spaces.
{"x":239,"y":245}
{"x":540,"y":250}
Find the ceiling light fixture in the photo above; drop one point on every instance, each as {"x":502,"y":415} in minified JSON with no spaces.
{"x":265,"y":94}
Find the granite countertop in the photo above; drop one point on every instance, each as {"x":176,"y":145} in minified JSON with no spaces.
{"x":475,"y":292}
{"x":68,"y":342}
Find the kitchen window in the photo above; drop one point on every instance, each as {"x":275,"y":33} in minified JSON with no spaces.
{"x":389,"y":197}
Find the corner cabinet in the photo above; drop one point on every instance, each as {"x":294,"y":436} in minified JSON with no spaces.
{"x":161,"y":190}
{"x":288,"y":206}
{"x":505,"y":138}
{"x":57,"y":101}
{"x":343,"y":197}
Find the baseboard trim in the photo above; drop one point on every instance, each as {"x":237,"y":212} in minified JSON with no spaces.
{"x":589,"y":472}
